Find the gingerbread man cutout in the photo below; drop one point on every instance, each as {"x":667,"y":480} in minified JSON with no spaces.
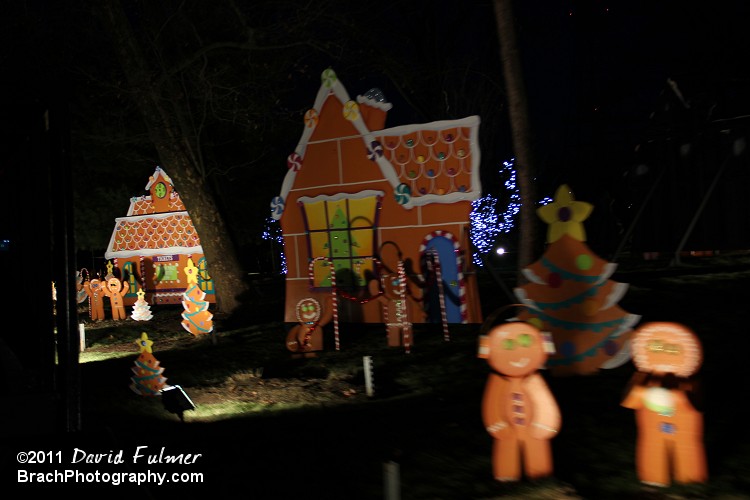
{"x":518,"y":409}
{"x":95,"y":290}
{"x":307,"y":336}
{"x":116,"y":290}
{"x":394,"y":298}
{"x":670,"y":428}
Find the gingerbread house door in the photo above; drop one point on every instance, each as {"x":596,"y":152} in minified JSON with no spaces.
{"x":443,"y":294}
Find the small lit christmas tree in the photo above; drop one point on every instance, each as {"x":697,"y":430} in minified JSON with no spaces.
{"x":340,"y":248}
{"x":148,"y":380}
{"x":570,"y":295}
{"x":196,"y":318}
{"x":141,"y":309}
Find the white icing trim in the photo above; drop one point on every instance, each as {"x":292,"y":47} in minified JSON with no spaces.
{"x":124,"y":254}
{"x":385,"y":106}
{"x":369,"y":193}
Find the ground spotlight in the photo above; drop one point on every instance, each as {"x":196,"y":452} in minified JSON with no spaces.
{"x":176,"y":401}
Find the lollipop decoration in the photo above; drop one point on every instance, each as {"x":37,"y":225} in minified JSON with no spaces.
{"x":351,"y":110}
{"x":375,"y":150}
{"x":311,"y":118}
{"x":403,"y":194}
{"x":277,"y":205}
{"x":329,"y":77}
{"x":294,"y":162}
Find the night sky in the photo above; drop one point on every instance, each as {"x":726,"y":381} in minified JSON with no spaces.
{"x":596,"y":75}
{"x":596,"y":71}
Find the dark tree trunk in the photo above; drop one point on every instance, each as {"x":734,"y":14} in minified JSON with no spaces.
{"x":171,"y":147}
{"x":519,"y":120}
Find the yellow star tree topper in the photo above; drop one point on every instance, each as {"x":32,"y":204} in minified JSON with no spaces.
{"x":191,"y":272}
{"x":565,"y":215}
{"x":144,"y":343}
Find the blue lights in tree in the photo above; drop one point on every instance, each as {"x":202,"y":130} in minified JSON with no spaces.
{"x":486,"y":224}
{"x":272,"y":232}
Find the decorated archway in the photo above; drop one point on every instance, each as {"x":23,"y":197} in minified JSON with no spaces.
{"x":442,"y":248}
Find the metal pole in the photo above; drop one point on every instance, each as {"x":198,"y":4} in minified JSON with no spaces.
{"x":689,"y":230}
{"x":391,"y":480}
{"x":638,"y":214}
{"x":368,"y":374}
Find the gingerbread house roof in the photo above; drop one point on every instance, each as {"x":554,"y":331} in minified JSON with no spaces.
{"x":143,"y":232}
{"x":435,"y":162}
{"x":155,"y":234}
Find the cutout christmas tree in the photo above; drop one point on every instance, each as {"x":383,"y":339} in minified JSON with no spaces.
{"x":147,"y":380}
{"x":340,"y":246}
{"x":141,"y":309}
{"x":570,"y":294}
{"x":196,"y":318}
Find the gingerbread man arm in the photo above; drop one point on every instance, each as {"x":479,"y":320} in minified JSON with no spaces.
{"x":546,"y":413}
{"x":125,"y":288}
{"x":634,"y":396}
{"x":373,"y":287}
{"x":492,"y":407}
{"x":547,"y":419}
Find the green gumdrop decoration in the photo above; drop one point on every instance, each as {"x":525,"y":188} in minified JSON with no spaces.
{"x":584,"y":262}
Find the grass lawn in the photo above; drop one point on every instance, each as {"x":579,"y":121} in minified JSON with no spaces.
{"x":271,"y":426}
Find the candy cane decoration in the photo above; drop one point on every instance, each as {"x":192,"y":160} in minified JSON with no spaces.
{"x":441,"y":294}
{"x":142,"y":266}
{"x":335,"y":306}
{"x":405,"y":324}
{"x":334,"y":302}
{"x":81,"y":281}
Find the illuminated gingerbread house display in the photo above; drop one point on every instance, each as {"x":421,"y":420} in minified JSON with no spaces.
{"x":155,"y":241}
{"x":363,"y":205}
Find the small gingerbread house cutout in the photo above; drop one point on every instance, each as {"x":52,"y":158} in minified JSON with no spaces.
{"x":153,"y":243}
{"x":354,"y":191}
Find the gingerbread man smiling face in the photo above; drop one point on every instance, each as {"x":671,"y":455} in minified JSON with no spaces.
{"x":308,"y":311}
{"x":516,"y":349}
{"x":307,"y":335}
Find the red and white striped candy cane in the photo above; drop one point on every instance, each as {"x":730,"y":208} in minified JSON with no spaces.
{"x":142,"y":266}
{"x":441,"y":295}
{"x":334,"y":301}
{"x":335,"y":307}
{"x":405,"y":323}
